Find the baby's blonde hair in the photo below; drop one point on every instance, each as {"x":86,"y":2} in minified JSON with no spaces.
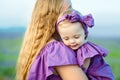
{"x":38,"y":33}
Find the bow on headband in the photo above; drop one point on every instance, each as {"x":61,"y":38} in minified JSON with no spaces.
{"x":75,"y":17}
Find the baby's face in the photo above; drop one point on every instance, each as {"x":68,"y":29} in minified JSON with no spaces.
{"x":72,"y":34}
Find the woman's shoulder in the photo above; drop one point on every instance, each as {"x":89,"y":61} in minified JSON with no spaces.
{"x":53,"y":44}
{"x":55,"y":47}
{"x":55,"y":53}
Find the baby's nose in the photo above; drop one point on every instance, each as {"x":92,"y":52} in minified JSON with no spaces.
{"x":72,"y":41}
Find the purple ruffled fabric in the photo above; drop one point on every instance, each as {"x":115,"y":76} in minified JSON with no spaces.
{"x":98,"y":68}
{"x":54,"y":54}
{"x":89,"y":50}
{"x":57,"y":54}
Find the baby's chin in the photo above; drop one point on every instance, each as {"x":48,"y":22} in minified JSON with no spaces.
{"x":75,"y":48}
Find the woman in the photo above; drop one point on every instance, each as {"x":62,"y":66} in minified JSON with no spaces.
{"x":40,"y":31}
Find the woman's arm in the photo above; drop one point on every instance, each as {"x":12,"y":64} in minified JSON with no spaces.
{"x":71,"y":72}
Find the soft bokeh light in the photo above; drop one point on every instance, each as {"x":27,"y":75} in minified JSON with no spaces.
{"x":15,"y":16}
{"x":106,"y":14}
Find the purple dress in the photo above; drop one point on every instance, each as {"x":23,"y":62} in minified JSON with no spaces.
{"x":57,"y":54}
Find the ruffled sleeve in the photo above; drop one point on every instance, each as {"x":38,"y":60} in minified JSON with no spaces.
{"x":89,"y":50}
{"x":98,"y":68}
{"x":54,"y":54}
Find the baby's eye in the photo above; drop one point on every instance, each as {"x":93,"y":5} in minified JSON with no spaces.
{"x":76,"y":37}
{"x":66,"y":38}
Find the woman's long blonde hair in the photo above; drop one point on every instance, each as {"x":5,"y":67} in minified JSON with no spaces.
{"x":38,"y":33}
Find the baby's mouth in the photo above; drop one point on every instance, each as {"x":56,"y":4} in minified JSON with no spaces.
{"x":73,"y":45}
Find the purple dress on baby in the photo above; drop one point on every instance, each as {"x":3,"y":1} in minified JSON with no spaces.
{"x":57,"y":54}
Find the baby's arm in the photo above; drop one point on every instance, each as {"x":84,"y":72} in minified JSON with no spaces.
{"x":71,"y":72}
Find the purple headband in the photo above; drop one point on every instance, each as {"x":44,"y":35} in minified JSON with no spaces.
{"x":87,"y":20}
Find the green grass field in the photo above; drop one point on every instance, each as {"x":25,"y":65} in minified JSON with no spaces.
{"x":9,"y":49}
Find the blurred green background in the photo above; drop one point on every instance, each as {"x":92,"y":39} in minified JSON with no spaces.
{"x":11,"y":40}
{"x":15,"y":16}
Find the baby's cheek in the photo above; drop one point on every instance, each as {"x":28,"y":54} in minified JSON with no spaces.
{"x":66,"y":43}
